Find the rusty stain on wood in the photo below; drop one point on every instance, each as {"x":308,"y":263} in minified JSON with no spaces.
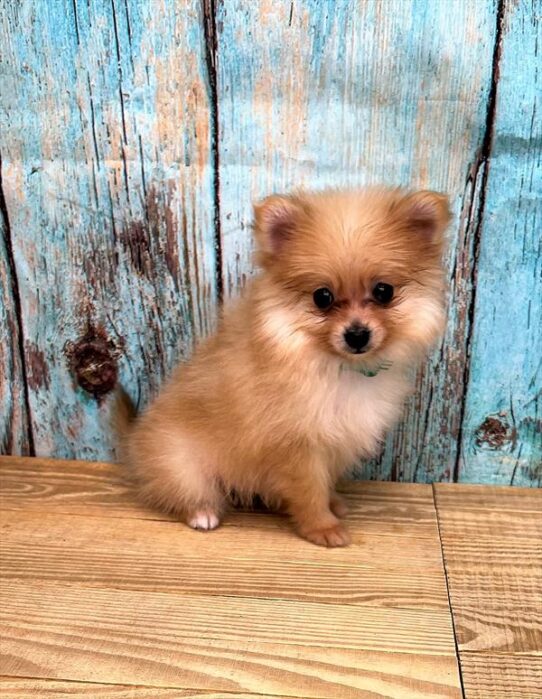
{"x":495,"y":432}
{"x":37,"y":371}
{"x":93,"y":361}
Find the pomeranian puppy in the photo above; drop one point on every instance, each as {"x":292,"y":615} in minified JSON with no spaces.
{"x":308,"y":370}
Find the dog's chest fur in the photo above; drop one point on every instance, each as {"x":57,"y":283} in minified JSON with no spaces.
{"x":352,"y":412}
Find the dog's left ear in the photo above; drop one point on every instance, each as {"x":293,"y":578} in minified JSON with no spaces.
{"x":426,"y":213}
{"x":275,"y":221}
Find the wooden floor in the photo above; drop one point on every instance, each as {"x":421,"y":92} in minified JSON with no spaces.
{"x":103,"y":598}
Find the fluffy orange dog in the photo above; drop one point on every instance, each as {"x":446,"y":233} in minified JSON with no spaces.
{"x":309,"y":369}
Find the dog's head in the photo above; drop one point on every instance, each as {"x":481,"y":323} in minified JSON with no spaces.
{"x":358,"y":273}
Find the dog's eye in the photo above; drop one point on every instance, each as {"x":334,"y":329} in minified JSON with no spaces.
{"x":383,"y":293}
{"x":323,"y":298}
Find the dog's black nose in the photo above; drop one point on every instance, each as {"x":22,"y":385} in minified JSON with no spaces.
{"x":357,"y":338}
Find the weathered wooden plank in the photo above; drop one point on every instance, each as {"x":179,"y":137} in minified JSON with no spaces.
{"x":502,"y":429}
{"x":108,"y":182}
{"x":56,"y":631}
{"x":56,"y":505}
{"x":501,"y":676}
{"x":493,"y":556}
{"x":251,"y":556}
{"x":334,"y":93}
{"x":381,"y":513}
{"x":15,"y":436}
{"x":22,"y":688}
{"x":103,"y":489}
{"x":111,"y":193}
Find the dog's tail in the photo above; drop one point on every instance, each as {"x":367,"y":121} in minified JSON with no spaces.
{"x":124,"y":413}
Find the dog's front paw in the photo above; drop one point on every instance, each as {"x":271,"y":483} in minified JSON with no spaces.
{"x":335,"y":535}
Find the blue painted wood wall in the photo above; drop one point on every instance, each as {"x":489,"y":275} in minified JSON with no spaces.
{"x":136,"y":133}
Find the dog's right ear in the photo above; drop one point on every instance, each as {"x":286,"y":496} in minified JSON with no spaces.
{"x":275,"y":221}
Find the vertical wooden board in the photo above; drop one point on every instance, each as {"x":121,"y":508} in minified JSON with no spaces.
{"x":502,"y":432}
{"x":108,"y":180}
{"x":340,"y":93}
{"x":14,"y":432}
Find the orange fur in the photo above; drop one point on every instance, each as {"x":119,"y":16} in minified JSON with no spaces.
{"x":273,"y":403}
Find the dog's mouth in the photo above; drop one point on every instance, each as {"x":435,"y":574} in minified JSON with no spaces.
{"x":364,"y":363}
{"x":357,"y":352}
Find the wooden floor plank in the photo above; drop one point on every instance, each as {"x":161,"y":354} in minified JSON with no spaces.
{"x":507,"y":628}
{"x":71,"y":487}
{"x":502,"y":676}
{"x":227,"y":619}
{"x":224,"y":644}
{"x":239,"y":562}
{"x":492,"y":545}
{"x":493,"y":584}
{"x":101,"y":489}
{"x":489,"y":497}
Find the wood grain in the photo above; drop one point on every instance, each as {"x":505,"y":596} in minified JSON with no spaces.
{"x":340,"y":93}
{"x":279,"y":540}
{"x":502,"y":676}
{"x":492,"y":546}
{"x":486,"y":500}
{"x":72,"y":487}
{"x":47,"y":689}
{"x":502,"y":429}
{"x":14,"y":435}
{"x":108,"y":181}
{"x":232,"y":620}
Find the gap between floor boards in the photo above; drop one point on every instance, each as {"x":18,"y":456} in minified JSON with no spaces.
{"x":450,"y":605}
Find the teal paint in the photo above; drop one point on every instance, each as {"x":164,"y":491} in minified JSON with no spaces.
{"x":113,"y":180}
{"x":502,"y":430}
